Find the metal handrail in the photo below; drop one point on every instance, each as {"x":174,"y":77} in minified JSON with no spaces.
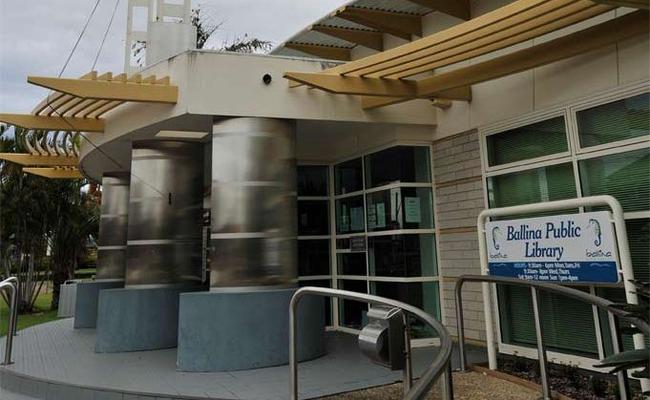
{"x":441,"y":363}
{"x":599,"y":302}
{"x":14,"y":314}
{"x":9,"y":285}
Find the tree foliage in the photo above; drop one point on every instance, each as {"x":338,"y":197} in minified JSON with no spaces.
{"x":40,"y":216}
{"x":206,"y":27}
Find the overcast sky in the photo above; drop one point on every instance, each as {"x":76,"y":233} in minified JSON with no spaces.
{"x":36,"y":36}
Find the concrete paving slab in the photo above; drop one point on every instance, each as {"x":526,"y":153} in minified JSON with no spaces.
{"x":56,"y":359}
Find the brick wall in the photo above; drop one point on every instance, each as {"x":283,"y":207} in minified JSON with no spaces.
{"x":459,"y":200}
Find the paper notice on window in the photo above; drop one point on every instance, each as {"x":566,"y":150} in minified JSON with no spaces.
{"x":412,"y":209}
{"x":356,"y":217}
{"x":345,"y":220}
{"x":372,"y":216}
{"x":381,"y":215}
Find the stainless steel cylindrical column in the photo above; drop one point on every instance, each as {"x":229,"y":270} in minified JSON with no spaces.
{"x":165,"y":214}
{"x":111,"y":249}
{"x":253,"y":227}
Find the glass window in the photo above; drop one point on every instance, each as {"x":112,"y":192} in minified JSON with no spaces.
{"x":554,"y":182}
{"x":638,"y":236}
{"x":568,"y":325}
{"x":351,"y":263}
{"x":349,"y":215}
{"x":313,"y":257}
{"x":312,"y":180}
{"x":400,"y":208}
{"x":328,"y":301}
{"x":623,"y":119}
{"x":625,"y":176}
{"x":352,"y":313}
{"x":398,"y":164}
{"x":423,"y":295}
{"x":526,"y":142}
{"x":402,"y":255}
{"x":313,"y":217}
{"x":348,"y":176}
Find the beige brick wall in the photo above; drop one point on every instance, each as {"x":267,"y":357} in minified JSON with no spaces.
{"x":459,"y":200}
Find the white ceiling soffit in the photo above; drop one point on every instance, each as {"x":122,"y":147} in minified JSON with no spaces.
{"x":309,"y":37}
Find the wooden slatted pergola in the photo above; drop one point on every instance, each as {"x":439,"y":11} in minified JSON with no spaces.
{"x":78,"y":105}
{"x":395,"y":75}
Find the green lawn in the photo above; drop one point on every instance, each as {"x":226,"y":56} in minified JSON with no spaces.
{"x":41,"y":315}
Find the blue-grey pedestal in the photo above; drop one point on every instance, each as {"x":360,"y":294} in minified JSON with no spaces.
{"x":134,"y":319}
{"x":227,"y":331}
{"x":85,"y":313}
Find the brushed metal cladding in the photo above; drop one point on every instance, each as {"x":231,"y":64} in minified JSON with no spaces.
{"x":111,"y":253}
{"x":165,"y":214}
{"x":253,"y":225}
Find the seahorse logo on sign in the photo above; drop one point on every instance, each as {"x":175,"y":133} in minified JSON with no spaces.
{"x":495,"y":232}
{"x":597,"y":232}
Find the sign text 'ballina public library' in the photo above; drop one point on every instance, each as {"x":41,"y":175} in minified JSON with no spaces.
{"x":559,"y":249}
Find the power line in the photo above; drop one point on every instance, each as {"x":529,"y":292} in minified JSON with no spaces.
{"x":108,"y":28}
{"x":79,"y":37}
{"x":55,"y":111}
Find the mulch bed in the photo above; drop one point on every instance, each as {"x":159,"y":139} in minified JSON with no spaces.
{"x":567,"y":380}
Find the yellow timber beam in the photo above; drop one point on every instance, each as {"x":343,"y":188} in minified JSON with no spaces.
{"x":55,"y":173}
{"x":109,"y":90}
{"x":455,"y":8}
{"x":354,"y":85}
{"x":640,"y":4}
{"x":397,"y":24}
{"x":328,"y":52}
{"x":39,"y":122}
{"x":592,"y":38}
{"x":39,"y":161}
{"x":517,"y":18}
{"x":370,"y":39}
{"x":463,"y":93}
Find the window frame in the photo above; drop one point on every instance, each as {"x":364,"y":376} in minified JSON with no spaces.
{"x":334,"y":236}
{"x":596,"y":101}
{"x":519,"y":123}
{"x":574,"y":155}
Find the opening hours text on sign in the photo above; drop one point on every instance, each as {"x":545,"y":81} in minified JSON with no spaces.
{"x":567,"y":248}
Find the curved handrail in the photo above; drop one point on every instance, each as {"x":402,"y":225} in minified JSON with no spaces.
{"x":7,"y":284}
{"x":421,"y":388}
{"x":549,"y":287}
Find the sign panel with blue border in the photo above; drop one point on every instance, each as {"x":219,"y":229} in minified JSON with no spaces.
{"x":572,"y":248}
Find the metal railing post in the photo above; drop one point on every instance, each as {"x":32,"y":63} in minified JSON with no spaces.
{"x":541,"y":349}
{"x":14,"y":314}
{"x":293,"y":362}
{"x":617,"y":347}
{"x":447,"y":384}
{"x":460,"y":325}
{"x":417,"y":391}
{"x":408,"y":365}
{"x":5,"y":285}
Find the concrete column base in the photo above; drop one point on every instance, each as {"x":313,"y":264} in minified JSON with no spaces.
{"x":134,"y":319}
{"x":87,"y":298}
{"x":227,"y":331}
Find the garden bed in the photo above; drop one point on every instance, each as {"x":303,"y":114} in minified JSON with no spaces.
{"x":567,"y":380}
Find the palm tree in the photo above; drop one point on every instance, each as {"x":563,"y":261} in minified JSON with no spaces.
{"x":37,"y":214}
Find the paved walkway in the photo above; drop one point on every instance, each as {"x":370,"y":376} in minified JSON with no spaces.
{"x":55,"y":361}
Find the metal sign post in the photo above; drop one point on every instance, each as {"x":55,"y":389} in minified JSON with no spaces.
{"x":624,"y":259}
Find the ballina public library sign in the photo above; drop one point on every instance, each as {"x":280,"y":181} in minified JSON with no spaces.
{"x":568,"y":248}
